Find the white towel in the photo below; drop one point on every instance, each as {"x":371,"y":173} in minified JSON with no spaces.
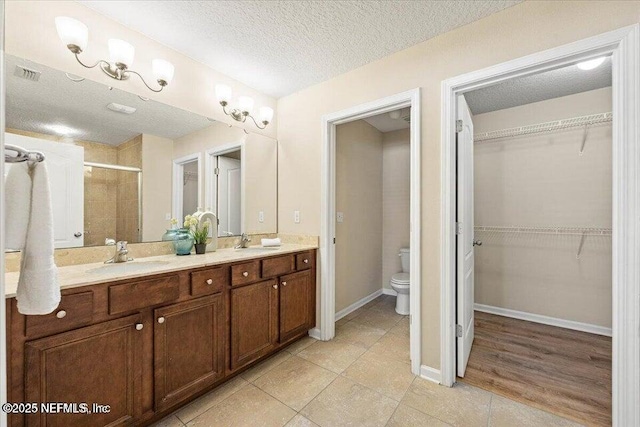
{"x":268,"y":243}
{"x":38,"y":288}
{"x":18,"y":206}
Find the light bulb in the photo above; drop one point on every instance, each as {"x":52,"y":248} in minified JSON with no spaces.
{"x":591,"y":63}
{"x":223,"y":93}
{"x":162,"y":70}
{"x":73,"y":33}
{"x":266,"y":114}
{"x":245,"y":104}
{"x":121,"y":52}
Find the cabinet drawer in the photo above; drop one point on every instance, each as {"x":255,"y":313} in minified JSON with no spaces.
{"x":209,"y":281}
{"x":303,"y":261}
{"x":145,"y":293}
{"x":75,"y":310}
{"x":245,"y":273}
{"x":277,"y":266}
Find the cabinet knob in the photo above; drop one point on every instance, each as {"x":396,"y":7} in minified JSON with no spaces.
{"x":209,"y":281}
{"x":284,"y":283}
{"x":160,"y":319}
{"x":139,"y":326}
{"x":275,"y":286}
{"x":61,"y":314}
{"x":306,"y":261}
{"x":245,"y":274}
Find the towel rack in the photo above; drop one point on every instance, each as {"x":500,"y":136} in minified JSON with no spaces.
{"x":21,"y":155}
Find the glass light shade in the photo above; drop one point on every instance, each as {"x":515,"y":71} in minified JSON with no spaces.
{"x":245,"y":103}
{"x":162,"y":70}
{"x":72,"y":31}
{"x":591,"y":63}
{"x":121,"y":52}
{"x":266,"y":114}
{"x":223,"y":93}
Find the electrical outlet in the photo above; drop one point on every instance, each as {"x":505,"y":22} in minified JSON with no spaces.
{"x":261,"y":216}
{"x":167,"y":216}
{"x":296,"y":217}
{"x":340,"y":216}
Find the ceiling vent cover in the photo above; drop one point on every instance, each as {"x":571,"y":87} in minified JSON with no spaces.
{"x":27,"y":73}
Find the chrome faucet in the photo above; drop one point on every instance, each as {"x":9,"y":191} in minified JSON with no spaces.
{"x":121,"y":255}
{"x":244,"y":240}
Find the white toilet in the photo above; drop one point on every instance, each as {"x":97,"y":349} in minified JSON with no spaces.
{"x":400,"y":284}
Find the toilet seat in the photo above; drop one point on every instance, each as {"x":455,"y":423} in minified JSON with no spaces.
{"x":401,"y":279}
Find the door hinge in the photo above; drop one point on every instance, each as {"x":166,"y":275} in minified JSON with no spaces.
{"x":216,"y":171}
{"x":459,"y":331}
{"x":334,"y":240}
{"x":458,"y":228}
{"x":458,"y":125}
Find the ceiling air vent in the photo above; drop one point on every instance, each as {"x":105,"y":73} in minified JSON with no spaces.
{"x":27,"y":73}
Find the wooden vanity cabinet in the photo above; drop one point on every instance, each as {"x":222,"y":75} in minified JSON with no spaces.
{"x":147,"y":346}
{"x":189,"y":343}
{"x":95,"y":364}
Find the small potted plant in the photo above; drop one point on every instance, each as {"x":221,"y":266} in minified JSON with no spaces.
{"x":200,"y":232}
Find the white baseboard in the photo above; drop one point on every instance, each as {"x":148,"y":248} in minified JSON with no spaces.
{"x":314,"y":333}
{"x":545,"y":320}
{"x":391,"y":292}
{"x":356,"y":305}
{"x":430,"y":374}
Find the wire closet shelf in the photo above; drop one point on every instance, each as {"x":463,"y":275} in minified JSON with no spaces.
{"x":574,"y":122}
{"x":572,"y":231}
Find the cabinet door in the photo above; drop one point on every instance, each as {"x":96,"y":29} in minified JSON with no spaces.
{"x":189,"y":344}
{"x":295,"y":304}
{"x":254,"y":322}
{"x":96,"y":364}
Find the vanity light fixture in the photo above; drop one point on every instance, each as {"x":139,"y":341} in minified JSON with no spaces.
{"x":75,"y":35}
{"x":245,"y":107}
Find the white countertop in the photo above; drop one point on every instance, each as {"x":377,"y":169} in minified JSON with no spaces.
{"x":74,"y":276}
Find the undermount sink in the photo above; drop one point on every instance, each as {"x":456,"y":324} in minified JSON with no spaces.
{"x":127,"y":267}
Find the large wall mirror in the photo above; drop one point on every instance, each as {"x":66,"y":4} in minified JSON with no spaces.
{"x":122,"y":166}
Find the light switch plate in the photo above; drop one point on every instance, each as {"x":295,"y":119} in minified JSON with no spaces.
{"x":340,"y":216}
{"x":296,"y":217}
{"x":261,"y":216}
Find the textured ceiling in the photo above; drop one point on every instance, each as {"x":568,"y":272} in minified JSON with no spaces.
{"x":384,"y":123}
{"x":279,"y":47}
{"x":55,"y":100}
{"x":539,"y":87}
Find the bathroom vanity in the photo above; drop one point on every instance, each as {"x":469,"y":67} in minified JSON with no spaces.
{"x":145,"y":340}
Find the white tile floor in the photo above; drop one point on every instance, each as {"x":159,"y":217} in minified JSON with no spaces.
{"x":361,"y":378}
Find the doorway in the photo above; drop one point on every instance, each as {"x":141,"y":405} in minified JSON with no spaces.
{"x":623,"y":46}
{"x":225,"y":182}
{"x":409,"y":99}
{"x":187,"y":189}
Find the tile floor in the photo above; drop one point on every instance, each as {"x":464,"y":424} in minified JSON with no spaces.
{"x":361,"y":378}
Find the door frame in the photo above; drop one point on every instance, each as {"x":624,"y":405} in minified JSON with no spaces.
{"x":177,"y":196}
{"x":624,"y":46}
{"x":211,"y":201}
{"x":410,"y":98}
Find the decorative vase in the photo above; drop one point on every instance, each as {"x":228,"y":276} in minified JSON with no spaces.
{"x":170,"y":234}
{"x":183,"y":242}
{"x":201,"y":248}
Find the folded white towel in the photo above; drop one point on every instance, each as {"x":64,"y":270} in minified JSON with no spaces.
{"x":268,"y":243}
{"x":18,"y":208}
{"x":38,"y":288}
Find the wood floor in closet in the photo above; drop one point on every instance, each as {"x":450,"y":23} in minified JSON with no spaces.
{"x":558,"y":370}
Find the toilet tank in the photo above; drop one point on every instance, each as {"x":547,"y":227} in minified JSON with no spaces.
{"x":404,"y":259}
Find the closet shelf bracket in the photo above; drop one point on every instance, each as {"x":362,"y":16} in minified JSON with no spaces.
{"x":584,"y":235}
{"x":584,"y":138}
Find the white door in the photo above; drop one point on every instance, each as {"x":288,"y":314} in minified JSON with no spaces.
{"x":229,"y":196}
{"x":465,"y":291}
{"x":65,"y":164}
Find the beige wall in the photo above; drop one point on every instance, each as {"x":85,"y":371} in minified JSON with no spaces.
{"x":157,"y":162}
{"x":359,"y":197}
{"x":30,"y":33}
{"x":261,"y":152}
{"x":396,"y":163}
{"x":517,"y":31}
{"x":540,"y":180}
